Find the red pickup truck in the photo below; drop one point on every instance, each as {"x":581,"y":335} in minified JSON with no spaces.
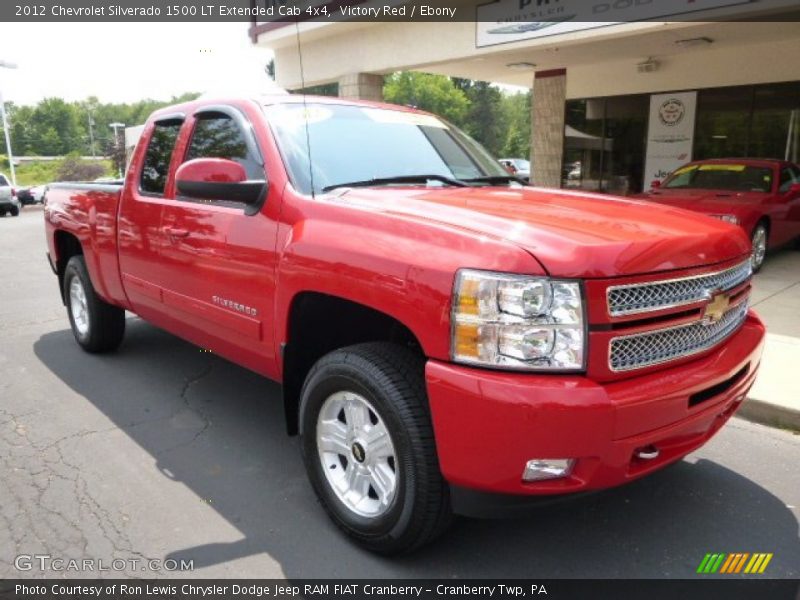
{"x":448,"y":339}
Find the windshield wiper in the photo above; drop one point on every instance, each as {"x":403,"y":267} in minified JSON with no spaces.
{"x":495,"y":179}
{"x":398,"y":179}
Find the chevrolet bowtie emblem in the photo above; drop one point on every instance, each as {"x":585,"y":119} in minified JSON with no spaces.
{"x":717,"y":307}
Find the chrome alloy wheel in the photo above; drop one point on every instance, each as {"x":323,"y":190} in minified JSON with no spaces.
{"x":357,"y":454}
{"x":759,"y":246}
{"x":78,"y":305}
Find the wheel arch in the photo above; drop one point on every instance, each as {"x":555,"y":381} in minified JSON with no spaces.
{"x":318,"y":324}
{"x":66,"y":246}
{"x":766,"y":220}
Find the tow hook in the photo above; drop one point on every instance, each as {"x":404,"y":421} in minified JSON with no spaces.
{"x":647,"y":453}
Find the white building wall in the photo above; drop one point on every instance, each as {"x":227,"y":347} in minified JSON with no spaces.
{"x":704,"y":68}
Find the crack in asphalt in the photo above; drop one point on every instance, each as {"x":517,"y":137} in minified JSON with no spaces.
{"x":184,"y":395}
{"x":35,"y":505}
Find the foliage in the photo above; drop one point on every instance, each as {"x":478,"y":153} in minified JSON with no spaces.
{"x":116,"y":153}
{"x":54,"y":127}
{"x":499,"y":120}
{"x":517,"y":116}
{"x":434,"y":93}
{"x":485,"y":119}
{"x":74,"y":168}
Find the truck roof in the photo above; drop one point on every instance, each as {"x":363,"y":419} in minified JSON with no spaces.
{"x":279,"y":98}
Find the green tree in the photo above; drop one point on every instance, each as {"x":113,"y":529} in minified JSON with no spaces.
{"x":56,"y":127}
{"x":517,"y":116}
{"x":433,"y":93}
{"x":485,"y":119}
{"x":55,"y":115}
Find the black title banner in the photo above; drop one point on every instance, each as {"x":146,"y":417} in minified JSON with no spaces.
{"x":521,"y":13}
{"x":428,"y":589}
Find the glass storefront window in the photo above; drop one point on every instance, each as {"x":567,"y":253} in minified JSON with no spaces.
{"x":723,"y":116}
{"x":605,"y":138}
{"x":776,"y":121}
{"x":604,"y":144}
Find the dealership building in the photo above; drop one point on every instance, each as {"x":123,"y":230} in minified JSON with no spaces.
{"x":616,"y":103}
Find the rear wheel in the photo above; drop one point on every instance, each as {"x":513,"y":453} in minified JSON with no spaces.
{"x":2,"y":212}
{"x":369,"y":449}
{"x":96,"y":325}
{"x":15,"y":211}
{"x":759,"y":240}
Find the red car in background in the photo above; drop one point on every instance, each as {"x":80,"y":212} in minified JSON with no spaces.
{"x":762,"y":196}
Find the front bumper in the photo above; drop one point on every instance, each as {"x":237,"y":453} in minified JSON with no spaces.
{"x":489,"y":424}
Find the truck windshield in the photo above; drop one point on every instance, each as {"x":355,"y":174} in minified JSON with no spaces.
{"x":360,"y":144}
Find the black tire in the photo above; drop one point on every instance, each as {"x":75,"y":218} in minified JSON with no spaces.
{"x":15,"y":210}
{"x":391,"y":378}
{"x":106,"y":323}
{"x":758,"y":258}
{"x":2,"y":212}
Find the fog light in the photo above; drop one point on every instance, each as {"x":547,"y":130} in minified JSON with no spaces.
{"x":547,"y":468}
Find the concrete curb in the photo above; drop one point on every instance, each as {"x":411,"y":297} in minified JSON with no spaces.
{"x":772,"y":415}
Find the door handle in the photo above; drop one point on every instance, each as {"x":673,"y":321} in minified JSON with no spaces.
{"x":176,"y":233}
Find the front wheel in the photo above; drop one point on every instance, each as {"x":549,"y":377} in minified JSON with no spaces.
{"x":369,"y":449}
{"x":96,"y":325}
{"x":759,"y":241}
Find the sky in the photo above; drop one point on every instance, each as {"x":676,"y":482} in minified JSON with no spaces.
{"x":125,"y":62}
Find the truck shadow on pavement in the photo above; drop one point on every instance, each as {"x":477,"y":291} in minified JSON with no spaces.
{"x":219,"y":430}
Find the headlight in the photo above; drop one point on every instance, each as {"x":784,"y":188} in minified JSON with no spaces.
{"x":517,"y":322}
{"x":732,"y":219}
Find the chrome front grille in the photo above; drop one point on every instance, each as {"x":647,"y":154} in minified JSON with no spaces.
{"x":659,"y":295}
{"x":663,"y":345}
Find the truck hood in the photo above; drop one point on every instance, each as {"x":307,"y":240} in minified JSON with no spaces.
{"x":571,"y":234}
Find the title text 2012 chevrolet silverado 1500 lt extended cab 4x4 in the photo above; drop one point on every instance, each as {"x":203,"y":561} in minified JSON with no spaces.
{"x":447,"y":338}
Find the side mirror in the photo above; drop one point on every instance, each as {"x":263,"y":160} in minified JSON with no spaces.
{"x":655,"y":184}
{"x":794,"y":190}
{"x":218,"y":179}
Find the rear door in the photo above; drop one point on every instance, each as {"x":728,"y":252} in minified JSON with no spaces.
{"x":219,"y":256}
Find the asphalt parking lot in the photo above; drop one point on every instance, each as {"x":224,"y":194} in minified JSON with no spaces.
{"x":163,"y":451}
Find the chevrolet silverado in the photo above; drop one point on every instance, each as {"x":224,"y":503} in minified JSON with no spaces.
{"x":448,"y":340}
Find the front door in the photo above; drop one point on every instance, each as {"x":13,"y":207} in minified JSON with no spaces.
{"x":139,"y":236}
{"x":219,"y":255}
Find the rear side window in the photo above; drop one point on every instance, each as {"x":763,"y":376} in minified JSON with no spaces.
{"x":3,"y":181}
{"x":789,"y":176}
{"x":158,"y":155}
{"x":216,"y":135}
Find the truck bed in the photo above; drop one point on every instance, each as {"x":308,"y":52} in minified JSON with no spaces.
{"x":88,"y":211}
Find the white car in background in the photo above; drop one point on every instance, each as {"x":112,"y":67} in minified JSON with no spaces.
{"x":518,"y":167}
{"x":8,"y":198}
{"x":38,"y":192}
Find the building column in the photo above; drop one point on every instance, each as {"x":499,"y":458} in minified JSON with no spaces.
{"x":547,"y":122}
{"x":361,"y":86}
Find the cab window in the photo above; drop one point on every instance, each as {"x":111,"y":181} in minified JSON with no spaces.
{"x":155,"y":170}
{"x":789,"y":176}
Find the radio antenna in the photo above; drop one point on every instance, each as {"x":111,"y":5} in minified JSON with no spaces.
{"x":305,"y":109}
